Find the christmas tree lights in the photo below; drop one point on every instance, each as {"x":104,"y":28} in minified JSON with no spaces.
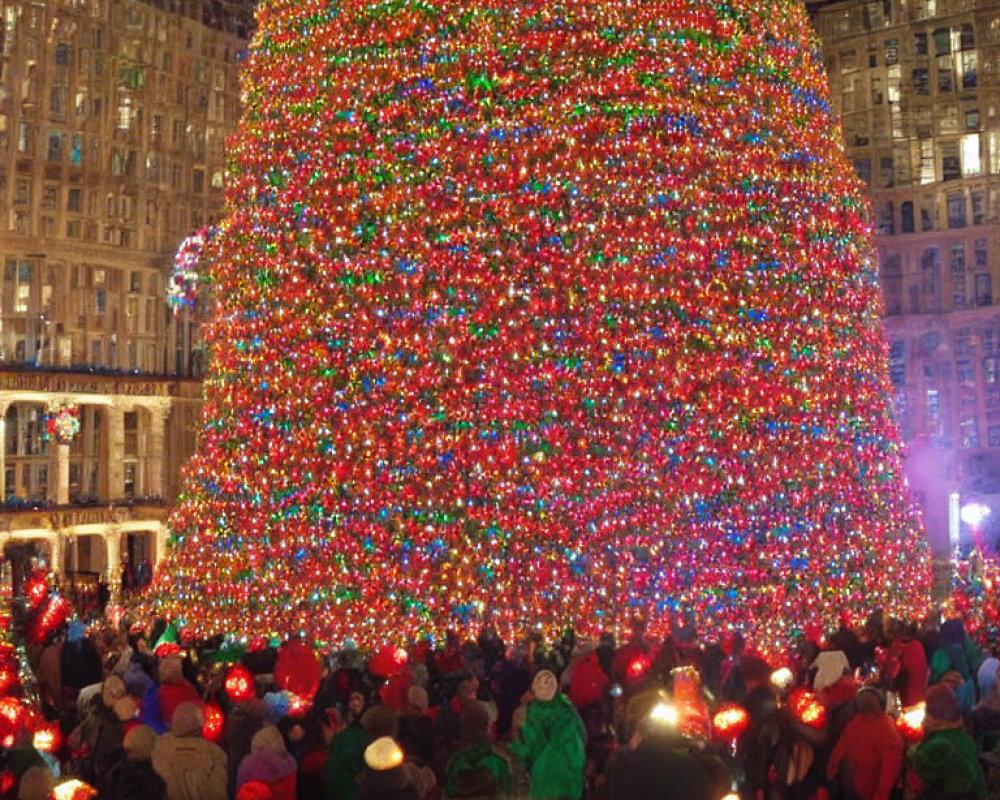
{"x":540,"y":313}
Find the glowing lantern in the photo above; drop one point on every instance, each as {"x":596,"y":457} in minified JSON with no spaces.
{"x":47,"y":738}
{"x":782,"y":678}
{"x":239,"y":684}
{"x":388,"y":661}
{"x":215,"y":721}
{"x":638,"y":667}
{"x":664,"y":714}
{"x":911,"y":723}
{"x":807,"y":708}
{"x":74,"y":789}
{"x":36,"y":589}
{"x":730,"y":722}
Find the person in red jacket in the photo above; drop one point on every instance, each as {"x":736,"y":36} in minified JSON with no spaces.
{"x":869,"y":754}
{"x":174,"y":687}
{"x":911,"y":681}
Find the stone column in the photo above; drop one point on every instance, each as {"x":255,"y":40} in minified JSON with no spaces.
{"x":155,"y":465}
{"x":3,"y":450}
{"x":114,"y":454}
{"x":113,"y":545}
{"x":56,"y":554}
{"x":61,"y":495}
{"x":161,"y":545}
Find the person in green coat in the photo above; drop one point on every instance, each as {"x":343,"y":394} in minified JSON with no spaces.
{"x":551,"y":743}
{"x":346,"y":754}
{"x":946,"y":760}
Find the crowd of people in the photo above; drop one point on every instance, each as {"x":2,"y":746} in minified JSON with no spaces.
{"x":885,"y":711}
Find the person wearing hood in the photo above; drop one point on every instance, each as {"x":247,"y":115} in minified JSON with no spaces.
{"x":79,"y":663}
{"x":476,"y":769}
{"x":270,"y":763}
{"x":869,"y":754}
{"x":346,"y":755}
{"x":946,"y":761}
{"x":174,"y":689}
{"x":550,"y":743}
{"x":134,"y":777}
{"x":192,"y":767}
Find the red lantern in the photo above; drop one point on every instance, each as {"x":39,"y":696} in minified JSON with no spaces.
{"x":807,"y":708}
{"x":730,"y":722}
{"x":389,"y":661}
{"x":47,"y":737}
{"x":638,"y":667}
{"x":239,"y":684}
{"x":215,"y":721}
{"x":36,"y":589}
{"x":297,"y":669}
{"x":910,"y":723}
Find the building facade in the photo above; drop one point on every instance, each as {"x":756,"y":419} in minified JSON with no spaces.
{"x":113,"y":118}
{"x":917,"y":85}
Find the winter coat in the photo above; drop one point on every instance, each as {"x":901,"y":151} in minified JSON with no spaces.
{"x":277,"y":770}
{"x":172,"y":694}
{"x":912,"y":672}
{"x":135,"y":780}
{"x":192,"y":767}
{"x":478,"y":772}
{"x":551,"y":745}
{"x":947,"y":763}
{"x":871,"y":752}
{"x":399,"y":783}
{"x":660,"y":770}
{"x":344,"y":761}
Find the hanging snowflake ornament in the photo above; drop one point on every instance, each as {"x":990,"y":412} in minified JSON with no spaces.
{"x":182,"y":287}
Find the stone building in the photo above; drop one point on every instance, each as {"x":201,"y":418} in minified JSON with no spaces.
{"x":113,"y":117}
{"x":917,"y":83}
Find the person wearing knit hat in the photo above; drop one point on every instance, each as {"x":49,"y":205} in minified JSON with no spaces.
{"x":35,"y":784}
{"x":174,"y":688}
{"x":134,"y":777}
{"x":183,"y":757}
{"x":269,"y":762}
{"x":550,"y":743}
{"x":476,"y":769}
{"x":946,"y":761}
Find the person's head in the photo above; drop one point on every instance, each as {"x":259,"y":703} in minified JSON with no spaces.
{"x":188,"y":720}
{"x":268,"y":739}
{"x":868,"y":702}
{"x":467,"y":688}
{"x":380,"y":721}
{"x":942,"y":710}
{"x":139,"y":743}
{"x":356,"y":702}
{"x":474,"y":723}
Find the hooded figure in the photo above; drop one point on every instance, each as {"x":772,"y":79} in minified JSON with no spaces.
{"x":134,"y":778}
{"x":870,"y":750}
{"x":193,"y":768}
{"x":946,"y":761}
{"x":269,"y":762}
{"x":551,"y":742}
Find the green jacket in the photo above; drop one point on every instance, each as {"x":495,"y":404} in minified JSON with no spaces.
{"x":477,"y":766}
{"x":344,"y":761}
{"x":551,"y":745}
{"x":947,"y":760}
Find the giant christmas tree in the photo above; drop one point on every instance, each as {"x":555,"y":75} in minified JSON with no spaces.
{"x":534,"y":312}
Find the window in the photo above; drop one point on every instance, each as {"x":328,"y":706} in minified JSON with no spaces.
{"x":892,"y":284}
{"x":930,"y":270}
{"x":886,"y":171}
{"x":958,"y":290}
{"x":886,"y":223}
{"x":951,"y":166}
{"x":978,"y":208}
{"x":946,"y":74}
{"x":906,"y":224}
{"x":25,"y":138}
{"x":942,"y":42}
{"x":198,"y":181}
{"x":970,"y":432}
{"x":921,"y":80}
{"x":920,"y":44}
{"x":984,"y":291}
{"x":62,"y":54}
{"x":980,"y":255}
{"x":967,"y":37}
{"x":964,"y":371}
{"x":990,"y":369}
{"x":971,"y":164}
{"x":73,"y":200}
{"x":956,"y":211}
{"x":994,"y":436}
{"x":56,"y":146}
{"x":897,"y":363}
{"x":891,"y":52}
{"x":927,"y":217}
{"x":957,"y":259}
{"x":862,"y":166}
{"x":972,"y":119}
{"x":49,"y":194}
{"x":969,"y":70}
{"x":135,"y":281}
